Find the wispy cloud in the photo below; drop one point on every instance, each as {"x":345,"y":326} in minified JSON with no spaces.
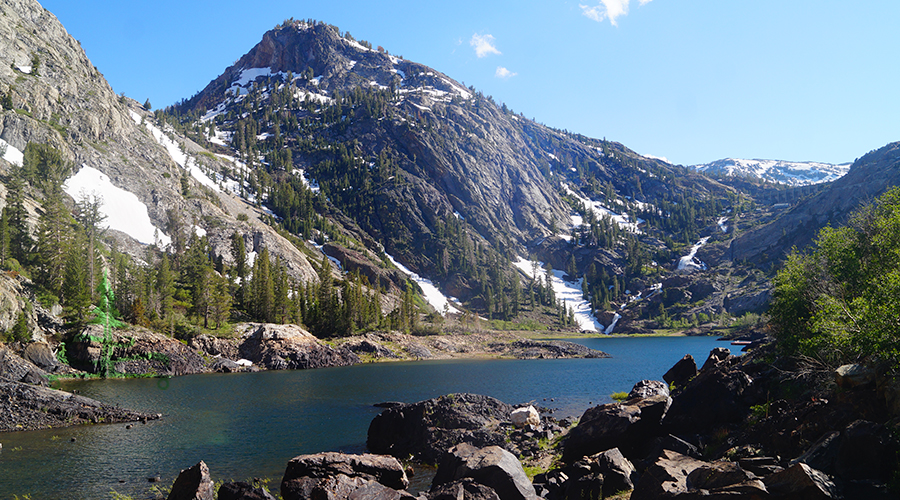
{"x":504,"y":73}
{"x":608,"y":9}
{"x":484,"y":45}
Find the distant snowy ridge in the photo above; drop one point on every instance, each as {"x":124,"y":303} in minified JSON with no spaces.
{"x":791,"y":173}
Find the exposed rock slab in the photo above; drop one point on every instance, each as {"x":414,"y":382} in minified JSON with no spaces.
{"x":30,"y":407}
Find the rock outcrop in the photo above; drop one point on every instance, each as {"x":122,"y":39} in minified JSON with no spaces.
{"x":429,"y":428}
{"x":29,"y":407}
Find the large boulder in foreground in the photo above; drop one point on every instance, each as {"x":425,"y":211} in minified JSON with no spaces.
{"x":493,"y":467}
{"x":427,"y":429}
{"x":717,"y":395}
{"x":629,"y":426}
{"x":338,"y":475}
{"x":193,"y":483}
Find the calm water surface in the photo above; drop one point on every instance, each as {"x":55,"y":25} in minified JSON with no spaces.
{"x":250,"y":425}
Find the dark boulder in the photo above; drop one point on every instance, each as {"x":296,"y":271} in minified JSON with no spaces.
{"x":716,"y":356}
{"x":682,"y":371}
{"x":801,"y":482}
{"x":492,"y":466}
{"x":427,"y":429}
{"x":666,"y":477}
{"x":383,"y":469}
{"x":865,"y":452}
{"x":629,"y":426}
{"x":243,"y":491}
{"x":465,"y":488}
{"x":193,"y":483}
{"x":16,"y":369}
{"x":41,"y":355}
{"x":714,"y":397}
{"x":618,"y":472}
{"x":338,"y":487}
{"x":716,"y":475}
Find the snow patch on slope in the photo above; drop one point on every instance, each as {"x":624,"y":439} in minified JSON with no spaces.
{"x":434,"y":296}
{"x":11,"y":154}
{"x":567,"y":291}
{"x":123,"y":210}
{"x":178,"y":156}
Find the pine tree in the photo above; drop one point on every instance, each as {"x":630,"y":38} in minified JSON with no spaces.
{"x":53,"y":240}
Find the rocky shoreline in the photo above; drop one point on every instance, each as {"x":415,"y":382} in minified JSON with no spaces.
{"x":737,"y":428}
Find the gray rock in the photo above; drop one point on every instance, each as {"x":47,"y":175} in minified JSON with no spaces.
{"x":427,"y":429}
{"x":16,"y":369}
{"x":193,"y":483}
{"x":682,"y":371}
{"x":618,"y":472}
{"x":243,"y":491}
{"x":716,"y":475}
{"x":649,"y":388}
{"x":339,"y":487}
{"x":716,"y":356}
{"x":665,"y":478}
{"x":854,"y":375}
{"x":41,"y":355}
{"x":465,"y":488}
{"x":492,"y":466}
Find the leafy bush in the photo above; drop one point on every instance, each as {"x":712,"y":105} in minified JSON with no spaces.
{"x":841,"y":302}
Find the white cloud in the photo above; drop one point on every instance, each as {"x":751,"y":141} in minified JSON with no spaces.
{"x":608,"y":9}
{"x":484,"y":45}
{"x":504,"y":73}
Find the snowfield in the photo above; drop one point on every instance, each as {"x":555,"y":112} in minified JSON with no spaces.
{"x":567,"y":291}
{"x":434,"y":296}
{"x":792,"y":173}
{"x":12,"y":154}
{"x":178,"y":156}
{"x":623,"y":220}
{"x":123,"y":210}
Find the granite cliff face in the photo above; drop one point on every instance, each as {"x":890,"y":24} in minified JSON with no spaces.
{"x":54,"y":95}
{"x":869,"y":177}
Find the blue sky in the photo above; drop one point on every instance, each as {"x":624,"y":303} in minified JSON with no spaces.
{"x":689,"y":80}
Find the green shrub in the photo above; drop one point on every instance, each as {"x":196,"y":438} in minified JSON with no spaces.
{"x":840,"y":302}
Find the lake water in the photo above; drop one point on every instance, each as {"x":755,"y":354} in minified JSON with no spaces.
{"x":250,"y":425}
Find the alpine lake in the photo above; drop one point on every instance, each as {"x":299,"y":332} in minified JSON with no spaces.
{"x":249,"y":425}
